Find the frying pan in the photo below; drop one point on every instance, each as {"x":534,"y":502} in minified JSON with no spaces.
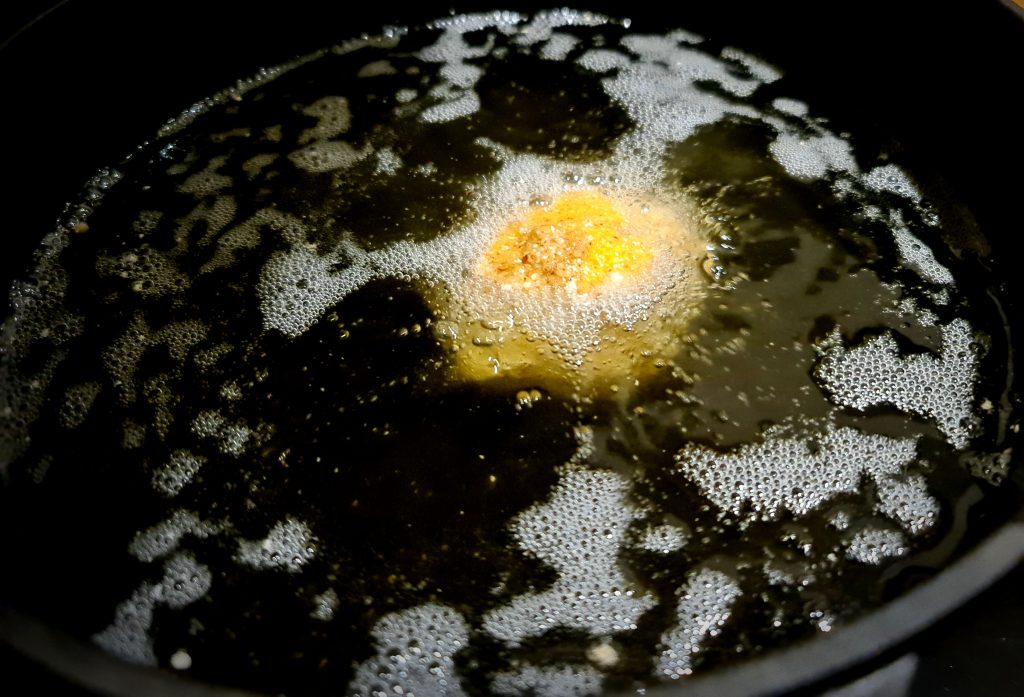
{"x":87,"y":81}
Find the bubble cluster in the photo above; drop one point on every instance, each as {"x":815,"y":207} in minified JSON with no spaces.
{"x":796,"y":474}
{"x":232,"y":438}
{"x":128,"y":637}
{"x":415,"y":650}
{"x":874,"y":545}
{"x":333,"y":118}
{"x":324,"y":605}
{"x":937,"y":387}
{"x":663,"y":539}
{"x":704,"y":606}
{"x":907,"y":501}
{"x":915,"y":254}
{"x":289,"y":545}
{"x":78,"y":400}
{"x":164,"y":537}
{"x":548,"y":681}
{"x":327,"y":156}
{"x":147,"y":271}
{"x":171,"y":477}
{"x":579,"y":532}
{"x":812,"y":157}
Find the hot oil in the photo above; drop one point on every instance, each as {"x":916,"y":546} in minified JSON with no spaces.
{"x":315,"y":445}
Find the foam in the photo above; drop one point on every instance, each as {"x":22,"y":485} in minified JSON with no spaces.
{"x":164,"y":537}
{"x":937,"y":387}
{"x":289,"y":545}
{"x":149,"y":272}
{"x":558,"y":46}
{"x":327,"y":156}
{"x":812,"y":157}
{"x":415,"y":650}
{"x":333,"y":118}
{"x":324,"y":605}
{"x":794,"y":107}
{"x":755,"y":67}
{"x":78,"y":400}
{"x":209,"y":181}
{"x":875,"y":545}
{"x":185,"y":580}
{"x":579,"y":531}
{"x":917,"y":255}
{"x":177,"y":473}
{"x":906,"y":500}
{"x":892,"y":179}
{"x":548,"y":681}
{"x":795,"y":474}
{"x":704,"y":606}
{"x":663,"y":539}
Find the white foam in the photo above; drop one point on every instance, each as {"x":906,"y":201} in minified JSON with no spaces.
{"x":324,"y":605}
{"x":663,"y":539}
{"x":907,"y":501}
{"x":289,"y":545}
{"x":917,"y":255}
{"x":812,"y":157}
{"x":790,"y":106}
{"x":548,"y":681}
{"x":757,"y":68}
{"x":703,"y":608}
{"x":579,"y":532}
{"x":603,"y":60}
{"x":415,"y":650}
{"x":558,"y":46}
{"x":177,"y":472}
{"x":796,"y":474}
{"x":894,"y":180}
{"x":455,"y":106}
{"x":875,"y":545}
{"x":165,"y":537}
{"x":185,"y":580}
{"x":937,"y":387}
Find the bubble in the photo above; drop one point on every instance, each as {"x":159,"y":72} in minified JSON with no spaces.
{"x":874,"y":545}
{"x":579,"y":532}
{"x":796,"y":474}
{"x":937,"y":387}
{"x":704,"y":606}
{"x":415,"y":650}
{"x":333,"y":118}
{"x":289,"y":545}
{"x":165,"y":537}
{"x":812,"y":157}
{"x":172,"y":477}
{"x":324,"y":605}
{"x":327,"y":156}
{"x":548,"y":681}
{"x":185,"y":581}
{"x":78,"y":400}
{"x":906,"y":500}
{"x":663,"y":539}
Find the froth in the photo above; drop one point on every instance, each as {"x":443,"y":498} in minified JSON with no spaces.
{"x":703,"y":607}
{"x":579,"y":532}
{"x":289,"y":545}
{"x":415,"y":650}
{"x":795,"y":474}
{"x":937,"y":387}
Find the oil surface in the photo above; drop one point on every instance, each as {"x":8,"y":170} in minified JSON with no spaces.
{"x":282,"y":417}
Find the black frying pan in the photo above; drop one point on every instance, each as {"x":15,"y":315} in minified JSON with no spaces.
{"x":923,"y":73}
